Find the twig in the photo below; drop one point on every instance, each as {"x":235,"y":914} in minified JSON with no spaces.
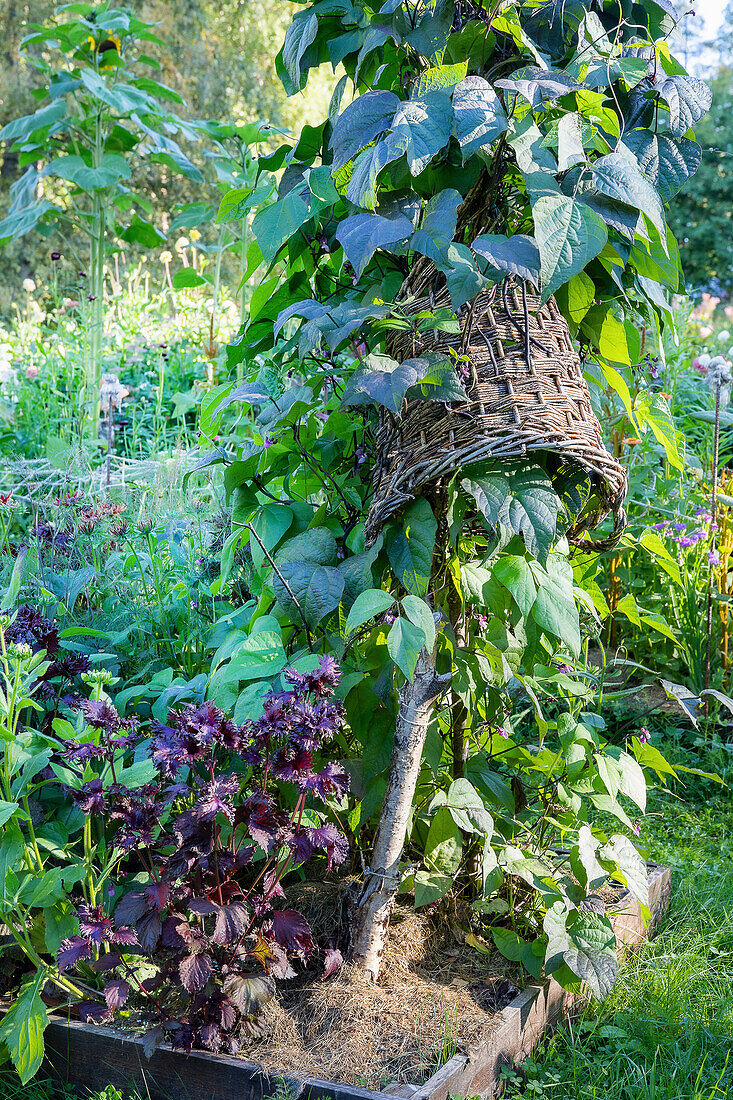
{"x":281,"y":578}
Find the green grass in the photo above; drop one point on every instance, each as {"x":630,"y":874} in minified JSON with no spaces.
{"x":666,"y":1033}
{"x":45,"y":1089}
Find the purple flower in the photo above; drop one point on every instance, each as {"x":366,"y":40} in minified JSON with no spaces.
{"x":713,"y":557}
{"x":661,"y":526}
{"x":644,"y":735}
{"x":636,"y":828}
{"x":685,"y":542}
{"x":680,"y":527}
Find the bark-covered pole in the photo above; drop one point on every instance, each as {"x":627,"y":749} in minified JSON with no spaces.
{"x":370,"y":917}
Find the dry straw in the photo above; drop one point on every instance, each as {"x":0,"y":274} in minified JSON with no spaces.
{"x":526,"y":393}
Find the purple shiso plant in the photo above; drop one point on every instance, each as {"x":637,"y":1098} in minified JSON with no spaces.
{"x":193,"y":948}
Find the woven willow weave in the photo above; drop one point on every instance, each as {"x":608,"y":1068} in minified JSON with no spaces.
{"x":526,"y":393}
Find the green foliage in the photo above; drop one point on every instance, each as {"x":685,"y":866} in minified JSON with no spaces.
{"x":665,"y":1030}
{"x":701,"y":213}
{"x":104,"y":115}
{"x":513,"y":115}
{"x":571,"y":143}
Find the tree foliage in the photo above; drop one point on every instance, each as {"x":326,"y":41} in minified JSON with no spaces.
{"x":701,"y":216}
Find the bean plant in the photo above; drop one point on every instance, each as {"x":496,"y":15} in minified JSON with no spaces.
{"x":569,"y":132}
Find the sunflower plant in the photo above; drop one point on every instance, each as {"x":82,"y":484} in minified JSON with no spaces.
{"x":102,"y":120}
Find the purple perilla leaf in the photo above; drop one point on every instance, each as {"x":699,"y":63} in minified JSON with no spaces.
{"x":157,"y":894}
{"x":148,"y":930}
{"x":210,"y":1036}
{"x":72,"y":951}
{"x":217,"y":797}
{"x":115,"y":994}
{"x":333,"y":961}
{"x":231,"y":921}
{"x":92,"y":1013}
{"x":151,"y":1040}
{"x":195,"y":971}
{"x":202,"y":907}
{"x":292,"y":931}
{"x":327,"y":838}
{"x":249,"y":992}
{"x":131,"y":907}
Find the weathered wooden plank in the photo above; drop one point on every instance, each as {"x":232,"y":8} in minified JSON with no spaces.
{"x":91,"y":1057}
{"x":523,"y":1022}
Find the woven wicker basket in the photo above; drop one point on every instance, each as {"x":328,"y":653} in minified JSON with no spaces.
{"x":526,"y":394}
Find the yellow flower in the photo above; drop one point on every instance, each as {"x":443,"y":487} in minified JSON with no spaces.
{"x":108,"y":42}
{"x":195,"y":235}
{"x":166,"y":256}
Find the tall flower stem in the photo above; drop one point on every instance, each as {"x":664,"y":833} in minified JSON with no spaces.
{"x":713,"y":513}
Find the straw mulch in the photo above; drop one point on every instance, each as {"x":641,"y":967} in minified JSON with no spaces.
{"x":436,"y":995}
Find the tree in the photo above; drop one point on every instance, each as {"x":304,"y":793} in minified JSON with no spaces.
{"x":701,"y":216}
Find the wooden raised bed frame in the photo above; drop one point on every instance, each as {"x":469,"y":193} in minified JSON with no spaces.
{"x":88,"y":1056}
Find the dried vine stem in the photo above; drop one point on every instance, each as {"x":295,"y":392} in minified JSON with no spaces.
{"x":281,"y":578}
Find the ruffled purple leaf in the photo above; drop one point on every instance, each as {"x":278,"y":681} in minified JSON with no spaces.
{"x":115,"y":994}
{"x":328,"y":839}
{"x":333,"y":961}
{"x":231,"y":921}
{"x":125,"y":937}
{"x":72,"y":951}
{"x":195,"y":971}
{"x":291,"y":930}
